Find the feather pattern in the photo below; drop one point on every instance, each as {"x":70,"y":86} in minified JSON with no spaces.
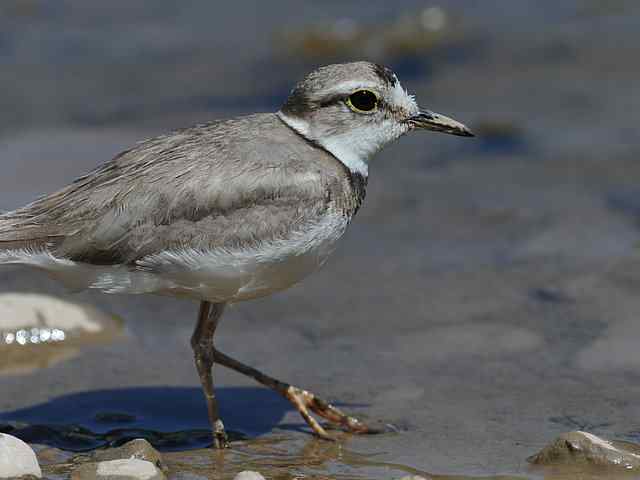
{"x":200,"y":212}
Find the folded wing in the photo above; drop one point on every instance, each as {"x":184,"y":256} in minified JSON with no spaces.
{"x":206,"y":189}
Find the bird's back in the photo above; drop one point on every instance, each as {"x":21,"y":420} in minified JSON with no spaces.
{"x":215,"y":189}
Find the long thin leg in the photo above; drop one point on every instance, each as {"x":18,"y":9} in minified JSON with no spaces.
{"x":302,"y":400}
{"x":204,"y":353}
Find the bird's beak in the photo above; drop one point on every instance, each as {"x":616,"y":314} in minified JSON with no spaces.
{"x":438,"y":123}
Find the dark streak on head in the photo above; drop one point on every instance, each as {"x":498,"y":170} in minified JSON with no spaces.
{"x":385,"y":74}
{"x":332,"y":99}
{"x":298,"y":103}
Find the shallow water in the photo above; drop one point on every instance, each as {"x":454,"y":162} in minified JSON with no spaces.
{"x":484,"y":300}
{"x":108,"y":418}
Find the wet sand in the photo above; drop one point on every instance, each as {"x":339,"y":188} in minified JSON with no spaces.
{"x":484,"y":301}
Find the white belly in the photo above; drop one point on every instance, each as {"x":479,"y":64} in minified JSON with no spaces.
{"x":236,"y":275}
{"x":226,"y":275}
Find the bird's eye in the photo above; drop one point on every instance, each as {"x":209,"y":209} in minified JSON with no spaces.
{"x":363,"y":101}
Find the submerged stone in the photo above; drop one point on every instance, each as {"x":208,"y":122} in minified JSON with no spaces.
{"x":48,"y":455}
{"x":585,"y":448}
{"x":123,"y":469}
{"x":138,"y":449}
{"x":37,"y":331}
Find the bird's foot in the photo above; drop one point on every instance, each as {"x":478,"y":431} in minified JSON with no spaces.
{"x":306,"y":402}
{"x":220,"y":438}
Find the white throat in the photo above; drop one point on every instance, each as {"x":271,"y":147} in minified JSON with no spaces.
{"x":353,"y":149}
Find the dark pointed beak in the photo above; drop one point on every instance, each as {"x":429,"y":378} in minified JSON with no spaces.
{"x":427,"y":120}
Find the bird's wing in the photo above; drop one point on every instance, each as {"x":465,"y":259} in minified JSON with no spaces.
{"x":196,"y":187}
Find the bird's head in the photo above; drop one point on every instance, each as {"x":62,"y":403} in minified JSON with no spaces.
{"x":354,"y":109}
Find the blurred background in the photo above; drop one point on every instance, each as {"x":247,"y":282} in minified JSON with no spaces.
{"x":486,"y":297}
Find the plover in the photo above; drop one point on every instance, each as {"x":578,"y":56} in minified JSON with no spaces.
{"x":226,"y":211}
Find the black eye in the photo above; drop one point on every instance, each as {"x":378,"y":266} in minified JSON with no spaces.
{"x":363,"y":101}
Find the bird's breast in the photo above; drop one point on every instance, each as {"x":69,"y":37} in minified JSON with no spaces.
{"x":237,"y":274}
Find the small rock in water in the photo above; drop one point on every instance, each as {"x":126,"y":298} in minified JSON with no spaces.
{"x":123,"y":469}
{"x":17,"y":458}
{"x":50,"y":455}
{"x":39,"y":330}
{"x":582,"y":447}
{"x":25,"y":310}
{"x":415,"y":477}
{"x":248,"y":475}
{"x":138,"y":449}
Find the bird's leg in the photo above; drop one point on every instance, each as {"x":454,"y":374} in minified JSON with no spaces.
{"x":202,"y":343}
{"x":304,"y":401}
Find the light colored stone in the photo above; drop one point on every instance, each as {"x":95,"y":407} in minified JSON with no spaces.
{"x":248,"y":475}
{"x":37,"y":331}
{"x":17,"y":458}
{"x":139,"y":449}
{"x":134,"y":468}
{"x":415,"y":477}
{"x":47,"y":455}
{"x":25,"y":310}
{"x":127,"y":468}
{"x":583,"y":447}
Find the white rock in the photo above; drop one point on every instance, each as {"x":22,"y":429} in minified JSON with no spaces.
{"x":30,"y":321}
{"x":17,"y":458}
{"x":24,"y":310}
{"x":129,"y":467}
{"x":248,"y":475}
{"x":121,"y":469}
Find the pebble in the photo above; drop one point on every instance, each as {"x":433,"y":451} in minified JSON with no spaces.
{"x":582,"y":447}
{"x":138,"y":449}
{"x":17,"y":458}
{"x":40,"y":330}
{"x":50,"y":455}
{"x":123,"y":469}
{"x":248,"y":475}
{"x":22,"y":310}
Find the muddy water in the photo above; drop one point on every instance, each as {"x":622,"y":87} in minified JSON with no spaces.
{"x":485,"y":299}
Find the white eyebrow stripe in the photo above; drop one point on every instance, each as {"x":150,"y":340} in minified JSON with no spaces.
{"x":349,"y":87}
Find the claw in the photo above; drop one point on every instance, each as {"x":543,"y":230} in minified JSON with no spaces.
{"x":300,"y":400}
{"x":304,"y":401}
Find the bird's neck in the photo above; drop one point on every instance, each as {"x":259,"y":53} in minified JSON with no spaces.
{"x":352,"y":152}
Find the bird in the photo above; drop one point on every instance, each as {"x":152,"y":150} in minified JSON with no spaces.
{"x":227,"y":211}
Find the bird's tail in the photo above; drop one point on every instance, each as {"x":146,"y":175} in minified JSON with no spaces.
{"x":18,"y":241}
